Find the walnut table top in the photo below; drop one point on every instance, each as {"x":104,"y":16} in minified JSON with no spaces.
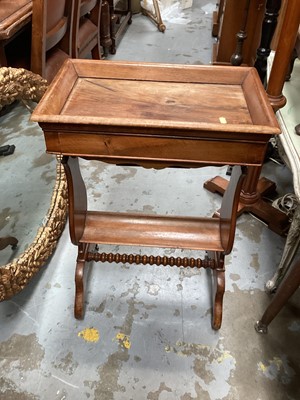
{"x":125,"y":111}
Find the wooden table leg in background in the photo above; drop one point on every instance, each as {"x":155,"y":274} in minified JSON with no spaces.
{"x":105,"y":36}
{"x":241,"y":36}
{"x":282,"y":58}
{"x":268,"y":29}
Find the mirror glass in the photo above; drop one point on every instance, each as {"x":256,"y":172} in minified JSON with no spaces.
{"x":27,"y":180}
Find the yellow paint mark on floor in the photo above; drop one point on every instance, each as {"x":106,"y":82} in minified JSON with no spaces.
{"x":225,"y":355}
{"x":276,"y":361}
{"x":90,"y":335}
{"x":123,"y":340}
{"x":262,"y":367}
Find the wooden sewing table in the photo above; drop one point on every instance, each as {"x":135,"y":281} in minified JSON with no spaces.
{"x":154,"y":115}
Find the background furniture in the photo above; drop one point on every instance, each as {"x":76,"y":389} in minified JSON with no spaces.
{"x":86,"y":29}
{"x":179,"y":121}
{"x":278,"y":73}
{"x":117,"y":16}
{"x":217,"y":18}
{"x":15,"y":17}
{"x":121,"y":17}
{"x":285,"y":290}
{"x":269,"y":25}
{"x":255,"y":188}
{"x":51,"y":36}
{"x":105,"y":27}
{"x":229,"y":18}
{"x":285,"y":43}
{"x":284,"y":50}
{"x":155,"y":15}
{"x":289,"y":150}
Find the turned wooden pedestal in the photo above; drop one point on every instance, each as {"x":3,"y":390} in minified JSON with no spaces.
{"x":252,"y":201}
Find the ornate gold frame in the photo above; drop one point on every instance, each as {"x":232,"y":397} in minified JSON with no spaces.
{"x":20,"y":84}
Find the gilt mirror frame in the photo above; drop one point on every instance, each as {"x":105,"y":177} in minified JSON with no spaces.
{"x":18,"y":84}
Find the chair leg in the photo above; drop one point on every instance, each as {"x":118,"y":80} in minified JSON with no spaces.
{"x":285,"y":290}
{"x":290,"y":248}
{"x":96,"y":52}
{"x":219,"y":289}
{"x":95,"y":17}
{"x":105,"y":35}
{"x":113,"y":32}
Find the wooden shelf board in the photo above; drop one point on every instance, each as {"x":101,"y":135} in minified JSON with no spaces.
{"x":152,"y":230}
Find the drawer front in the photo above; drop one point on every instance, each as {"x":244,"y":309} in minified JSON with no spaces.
{"x":140,"y":150}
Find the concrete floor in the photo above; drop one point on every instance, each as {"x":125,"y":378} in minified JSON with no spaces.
{"x":146,"y":332}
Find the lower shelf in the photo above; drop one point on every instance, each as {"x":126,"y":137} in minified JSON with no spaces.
{"x":152,"y":230}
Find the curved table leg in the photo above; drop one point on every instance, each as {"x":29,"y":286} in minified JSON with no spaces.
{"x":219,"y":289}
{"x":79,"y":281}
{"x":290,"y":248}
